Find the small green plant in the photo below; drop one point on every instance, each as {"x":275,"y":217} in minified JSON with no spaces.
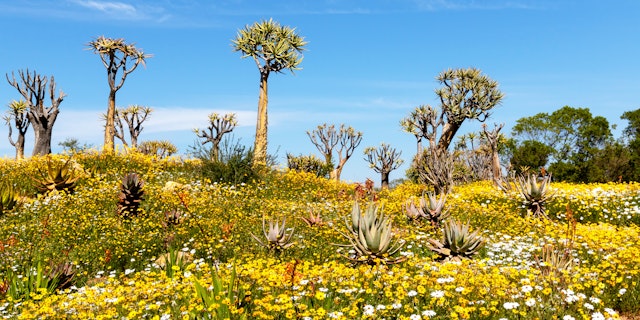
{"x":430,"y":208}
{"x":233,"y":165}
{"x":218,"y":298}
{"x":8,"y":198}
{"x":370,"y":235}
{"x":310,"y":163}
{"x":458,"y":242}
{"x":131,"y":195}
{"x":38,"y":282}
{"x":58,"y":177}
{"x":277,"y":238}
{"x":536,"y":194}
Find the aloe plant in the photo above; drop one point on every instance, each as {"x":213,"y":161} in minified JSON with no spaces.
{"x":431,"y":208}
{"x":313,"y":219}
{"x":8,"y":198}
{"x":57,"y":177}
{"x":277,"y":238}
{"x":370,"y":235}
{"x":535,"y":194}
{"x":458,"y":242}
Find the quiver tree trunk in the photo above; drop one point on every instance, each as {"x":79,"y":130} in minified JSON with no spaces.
{"x":260,"y":144}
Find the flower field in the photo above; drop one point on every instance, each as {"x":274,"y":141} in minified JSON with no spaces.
{"x":190,"y":251}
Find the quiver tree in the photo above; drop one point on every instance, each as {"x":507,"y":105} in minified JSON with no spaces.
{"x":465,"y":94}
{"x":383,"y":160}
{"x":274,"y":48}
{"x":118,"y":57}
{"x":133,"y":116}
{"x":33,"y":88}
{"x":218,"y":126}
{"x":326,"y":138}
{"x":422,"y":123}
{"x":493,"y":139}
{"x":18,"y":114}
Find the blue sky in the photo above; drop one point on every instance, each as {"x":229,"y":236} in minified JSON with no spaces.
{"x":367,"y":64}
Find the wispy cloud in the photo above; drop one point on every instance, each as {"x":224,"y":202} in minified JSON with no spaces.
{"x":112,"y":8}
{"x":438,"y":5}
{"x":178,"y":119}
{"x":124,"y":11}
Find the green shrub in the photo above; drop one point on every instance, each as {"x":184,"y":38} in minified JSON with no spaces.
{"x":310,"y":163}
{"x":234,"y":165}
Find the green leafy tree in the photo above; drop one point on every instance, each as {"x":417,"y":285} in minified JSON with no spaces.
{"x":574,"y":135}
{"x":72,"y":145}
{"x":632,"y":135}
{"x":530,"y":154}
{"x":120,"y":59}
{"x":274,"y":48}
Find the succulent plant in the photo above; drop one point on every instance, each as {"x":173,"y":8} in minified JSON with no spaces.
{"x":131,"y":195}
{"x":458,"y":242}
{"x":535,"y":194}
{"x":371,"y":237}
{"x":431,"y":208}
{"x":58,"y":177}
{"x":277,"y":238}
{"x":8,"y":198}
{"x":553,"y":261}
{"x":313,"y":219}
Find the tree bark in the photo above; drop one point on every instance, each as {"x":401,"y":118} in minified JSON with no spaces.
{"x":335,"y":174}
{"x":19,"y":147}
{"x":384,"y":180}
{"x":109,"y":127}
{"x":260,"y":144}
{"x":448,"y":132}
{"x":42,"y":145}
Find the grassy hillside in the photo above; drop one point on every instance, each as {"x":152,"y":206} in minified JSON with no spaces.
{"x":71,"y":255}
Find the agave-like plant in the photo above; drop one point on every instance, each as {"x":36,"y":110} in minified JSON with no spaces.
{"x":458,"y":242}
{"x":535,"y":194}
{"x":313,"y":219}
{"x":277,"y":238}
{"x":58,"y":177}
{"x":131,"y":195}
{"x":431,"y":208}
{"x":371,"y":237}
{"x":8,"y":198}
{"x":554,"y":260}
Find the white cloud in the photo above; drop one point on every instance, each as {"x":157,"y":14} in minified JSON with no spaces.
{"x":433,"y":5}
{"x":178,"y":119}
{"x":109,"y":7}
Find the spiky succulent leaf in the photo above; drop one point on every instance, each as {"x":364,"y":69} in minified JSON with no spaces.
{"x":8,"y":198}
{"x":370,"y":235}
{"x":276,"y":235}
{"x":458,"y":242}
{"x":57,"y":177}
